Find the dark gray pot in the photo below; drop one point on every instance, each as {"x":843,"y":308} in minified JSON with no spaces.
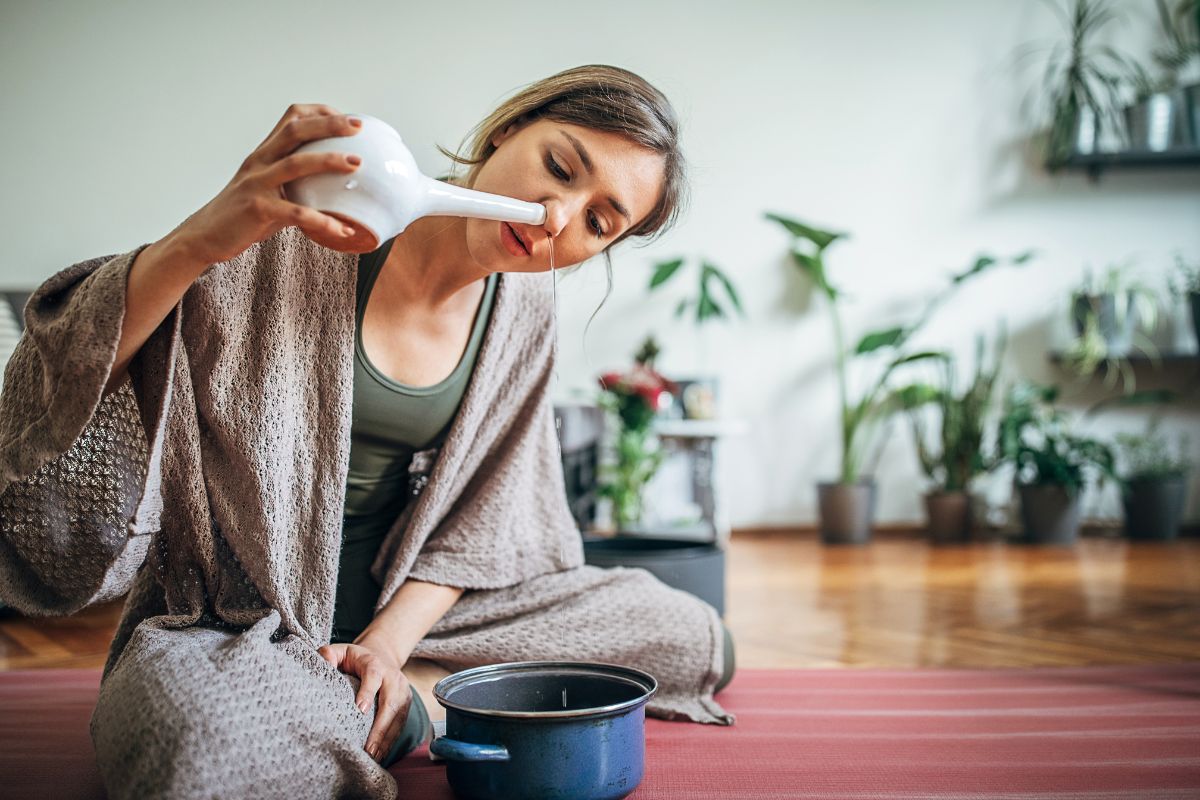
{"x":949,"y":515}
{"x":1160,"y":122}
{"x":847,"y":512}
{"x":1154,"y":507}
{"x":695,"y":567}
{"x":1194,"y":297}
{"x":1192,"y":93}
{"x":1118,"y":334}
{"x":1050,"y":514}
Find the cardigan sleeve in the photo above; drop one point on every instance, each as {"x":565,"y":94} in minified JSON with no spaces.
{"x":80,"y":472}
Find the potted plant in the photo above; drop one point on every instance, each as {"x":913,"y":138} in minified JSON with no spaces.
{"x":1051,"y":464}
{"x":847,"y":505}
{"x":1153,"y":483}
{"x":713,"y":299}
{"x":1165,"y":115}
{"x":959,"y":455}
{"x":1186,"y":283}
{"x":1106,"y":314}
{"x":1081,"y":82}
{"x":1153,"y":475}
{"x":633,"y":399}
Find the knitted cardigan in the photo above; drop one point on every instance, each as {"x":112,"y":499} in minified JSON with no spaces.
{"x":210,"y":487}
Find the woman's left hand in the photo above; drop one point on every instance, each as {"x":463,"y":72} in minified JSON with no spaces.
{"x":378,"y":673}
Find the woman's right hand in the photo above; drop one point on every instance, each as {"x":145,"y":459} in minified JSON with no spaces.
{"x":252,"y":207}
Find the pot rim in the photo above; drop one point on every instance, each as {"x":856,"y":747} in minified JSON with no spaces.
{"x":636,"y":677}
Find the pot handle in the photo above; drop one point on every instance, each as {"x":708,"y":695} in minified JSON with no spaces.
{"x":454,"y":750}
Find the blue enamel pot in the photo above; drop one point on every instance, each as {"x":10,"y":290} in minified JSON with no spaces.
{"x":544,"y":730}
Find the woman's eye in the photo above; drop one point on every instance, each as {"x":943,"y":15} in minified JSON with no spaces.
{"x":558,"y":171}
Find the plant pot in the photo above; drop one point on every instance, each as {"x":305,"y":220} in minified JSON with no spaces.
{"x":1192,"y":94}
{"x":847,"y":512}
{"x":695,"y":567}
{"x":696,"y":398}
{"x":1194,"y":300}
{"x":1154,"y":507}
{"x":1117,"y":333}
{"x":1050,"y":514}
{"x":1160,"y":122}
{"x":949,"y":515}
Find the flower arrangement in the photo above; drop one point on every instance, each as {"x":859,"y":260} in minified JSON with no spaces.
{"x":634,"y":398}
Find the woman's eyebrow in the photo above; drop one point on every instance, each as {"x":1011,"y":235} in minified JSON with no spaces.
{"x":587,"y":164}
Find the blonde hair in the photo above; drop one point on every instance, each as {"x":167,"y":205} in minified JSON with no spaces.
{"x":595,"y":96}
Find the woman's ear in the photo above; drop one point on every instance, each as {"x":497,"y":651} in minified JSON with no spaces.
{"x":512,"y":128}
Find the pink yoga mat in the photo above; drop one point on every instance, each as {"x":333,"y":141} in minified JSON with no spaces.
{"x":1094,"y":732}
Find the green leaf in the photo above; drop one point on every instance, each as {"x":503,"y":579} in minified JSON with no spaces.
{"x":707,"y":308}
{"x":710,"y":270}
{"x":820,"y":238}
{"x":873,"y":341}
{"x":815,"y":269}
{"x":663,"y":272}
{"x":924,"y":355}
{"x":682,"y":308}
{"x":913,"y":396}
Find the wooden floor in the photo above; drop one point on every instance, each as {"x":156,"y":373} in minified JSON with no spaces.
{"x":898,"y":602}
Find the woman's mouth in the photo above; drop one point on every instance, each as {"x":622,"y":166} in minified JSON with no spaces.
{"x":512,"y":242}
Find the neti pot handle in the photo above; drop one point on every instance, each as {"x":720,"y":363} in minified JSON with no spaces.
{"x":454,"y":750}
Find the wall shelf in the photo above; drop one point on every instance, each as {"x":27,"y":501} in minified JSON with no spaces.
{"x":1095,"y":163}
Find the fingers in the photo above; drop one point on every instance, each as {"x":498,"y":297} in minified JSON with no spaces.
{"x":316,"y":225}
{"x":302,"y":129}
{"x":332,"y":653}
{"x":297,"y":111}
{"x":300,"y":164}
{"x":371,"y":678}
{"x":395,"y":701}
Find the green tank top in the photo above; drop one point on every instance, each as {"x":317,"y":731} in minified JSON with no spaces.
{"x":391,"y":421}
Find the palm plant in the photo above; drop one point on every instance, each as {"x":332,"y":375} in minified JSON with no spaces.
{"x":1082,"y":79}
{"x":962,"y":415}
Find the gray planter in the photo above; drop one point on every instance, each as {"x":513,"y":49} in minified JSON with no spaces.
{"x":1194,"y":299}
{"x":847,"y":512}
{"x":1161,"y":122}
{"x":1154,"y":507}
{"x":1117,"y":333}
{"x":695,"y":567}
{"x":949,"y":515}
{"x":1050,"y":514}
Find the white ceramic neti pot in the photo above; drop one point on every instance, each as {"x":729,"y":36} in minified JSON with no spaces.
{"x":388,"y":191}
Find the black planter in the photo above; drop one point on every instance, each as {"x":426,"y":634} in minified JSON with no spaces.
{"x":695,"y":567}
{"x":1154,"y":507}
{"x":949,"y":515}
{"x":847,"y":512}
{"x":1194,"y":297}
{"x":1050,"y":514}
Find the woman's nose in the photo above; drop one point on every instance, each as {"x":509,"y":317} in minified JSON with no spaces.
{"x":558,"y":214}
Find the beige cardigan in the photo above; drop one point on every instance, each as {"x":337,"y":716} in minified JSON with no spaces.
{"x":211,"y":486}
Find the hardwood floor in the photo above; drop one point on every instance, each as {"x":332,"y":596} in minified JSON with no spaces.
{"x":898,"y":602}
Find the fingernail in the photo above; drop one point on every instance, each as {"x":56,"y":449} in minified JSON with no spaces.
{"x":356,"y":122}
{"x":373,"y":752}
{"x":355,"y":160}
{"x":348,"y":232}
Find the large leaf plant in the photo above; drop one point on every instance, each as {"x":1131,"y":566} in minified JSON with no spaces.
{"x":863,"y":416}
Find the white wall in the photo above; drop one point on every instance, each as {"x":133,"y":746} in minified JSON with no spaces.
{"x":899,"y":122}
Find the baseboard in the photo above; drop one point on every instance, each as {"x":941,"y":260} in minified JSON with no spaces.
{"x":915,"y":530}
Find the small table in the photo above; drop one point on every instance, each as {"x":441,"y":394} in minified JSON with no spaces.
{"x":696,"y":441}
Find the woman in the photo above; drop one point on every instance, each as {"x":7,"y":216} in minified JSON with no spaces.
{"x":312,"y":471}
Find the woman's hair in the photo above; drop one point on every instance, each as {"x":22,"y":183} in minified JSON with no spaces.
{"x":604,"y":98}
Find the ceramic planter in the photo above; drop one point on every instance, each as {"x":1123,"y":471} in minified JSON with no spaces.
{"x":1117,"y":331}
{"x":1154,"y":507}
{"x":949,"y":515}
{"x":847,"y":512}
{"x":1160,"y":122}
{"x":1050,"y":514}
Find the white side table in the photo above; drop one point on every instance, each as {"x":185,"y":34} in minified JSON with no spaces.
{"x":696,"y":440}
